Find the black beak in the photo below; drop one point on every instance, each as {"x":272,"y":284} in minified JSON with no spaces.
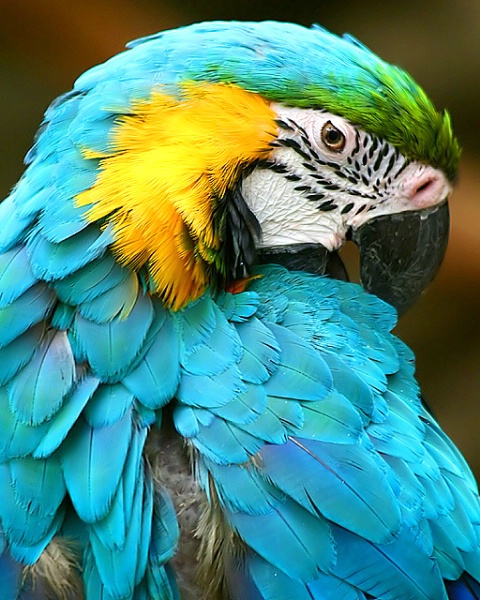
{"x":312,"y":258}
{"x":400,"y":254}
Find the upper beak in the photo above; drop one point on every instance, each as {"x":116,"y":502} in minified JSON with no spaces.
{"x":401,"y":253}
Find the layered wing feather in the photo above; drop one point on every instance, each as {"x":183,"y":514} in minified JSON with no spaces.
{"x":332,"y":478}
{"x":86,"y":358}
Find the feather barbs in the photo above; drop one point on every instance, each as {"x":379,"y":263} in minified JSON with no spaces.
{"x":171,"y":162}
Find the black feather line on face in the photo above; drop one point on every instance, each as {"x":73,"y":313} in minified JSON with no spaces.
{"x":242,"y":231}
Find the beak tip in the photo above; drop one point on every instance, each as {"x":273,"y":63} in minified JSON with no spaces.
{"x":400,"y":254}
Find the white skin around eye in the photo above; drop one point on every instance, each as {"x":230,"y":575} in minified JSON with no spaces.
{"x":322,"y":193}
{"x":312,"y":121}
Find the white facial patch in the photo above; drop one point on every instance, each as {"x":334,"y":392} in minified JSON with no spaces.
{"x":326,"y":177}
{"x":286,"y":216}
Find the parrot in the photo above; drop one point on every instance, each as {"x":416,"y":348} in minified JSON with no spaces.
{"x":195,"y":400}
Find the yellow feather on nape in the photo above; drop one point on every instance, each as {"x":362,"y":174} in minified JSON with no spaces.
{"x":172,"y":160}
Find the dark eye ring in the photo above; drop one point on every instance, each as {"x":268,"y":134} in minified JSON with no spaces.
{"x":332,"y":137}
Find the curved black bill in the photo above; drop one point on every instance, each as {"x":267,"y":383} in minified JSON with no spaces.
{"x":400,"y":254}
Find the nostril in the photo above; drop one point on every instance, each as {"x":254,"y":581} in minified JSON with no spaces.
{"x":423,"y":186}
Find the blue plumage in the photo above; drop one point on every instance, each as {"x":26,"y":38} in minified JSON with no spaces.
{"x":465,"y":588}
{"x":319,"y":474}
{"x":330,"y":423}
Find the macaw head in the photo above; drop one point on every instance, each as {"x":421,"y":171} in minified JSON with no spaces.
{"x":222,"y":145}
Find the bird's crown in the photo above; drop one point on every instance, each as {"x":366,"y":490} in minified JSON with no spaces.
{"x":169,"y":126}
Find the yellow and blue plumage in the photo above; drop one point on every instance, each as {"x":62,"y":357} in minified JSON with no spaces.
{"x":179,"y":418}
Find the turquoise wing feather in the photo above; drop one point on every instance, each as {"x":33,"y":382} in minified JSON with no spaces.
{"x":292,"y":413}
{"x":81,"y":346}
{"x":339,"y":484}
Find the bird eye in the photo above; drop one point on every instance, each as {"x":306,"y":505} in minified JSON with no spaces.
{"x":332,"y":137}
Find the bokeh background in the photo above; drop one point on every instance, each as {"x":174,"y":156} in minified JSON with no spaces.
{"x":46,"y":44}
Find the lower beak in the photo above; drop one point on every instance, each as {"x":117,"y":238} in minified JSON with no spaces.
{"x":312,"y":258}
{"x":401,"y":253}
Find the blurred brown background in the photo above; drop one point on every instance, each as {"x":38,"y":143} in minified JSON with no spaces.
{"x":45,"y":44}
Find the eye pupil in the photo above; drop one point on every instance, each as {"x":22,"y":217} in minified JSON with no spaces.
{"x":332,"y":137}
